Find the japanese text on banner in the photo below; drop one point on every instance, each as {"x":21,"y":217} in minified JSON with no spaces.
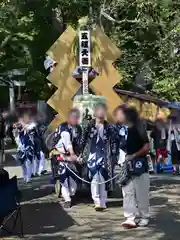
{"x":84,"y":49}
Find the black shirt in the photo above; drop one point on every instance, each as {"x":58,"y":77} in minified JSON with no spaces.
{"x":158,"y":141}
{"x":136,"y":139}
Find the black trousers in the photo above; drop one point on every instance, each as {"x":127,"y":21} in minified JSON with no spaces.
{"x":175,"y":154}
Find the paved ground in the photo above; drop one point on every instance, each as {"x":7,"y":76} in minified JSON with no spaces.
{"x":45,"y":219}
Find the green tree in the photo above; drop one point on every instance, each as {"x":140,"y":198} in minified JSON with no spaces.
{"x":147,"y":32}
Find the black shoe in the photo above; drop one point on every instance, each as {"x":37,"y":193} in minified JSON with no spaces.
{"x":34,"y":175}
{"x":67,"y":204}
{"x":43,"y":172}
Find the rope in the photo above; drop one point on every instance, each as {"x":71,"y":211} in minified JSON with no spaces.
{"x":83,"y":180}
{"x":100,"y":183}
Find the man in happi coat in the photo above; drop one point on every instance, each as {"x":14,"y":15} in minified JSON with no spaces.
{"x":67,"y":143}
{"x":98,"y":138}
{"x":25,"y":134}
{"x":40,"y":162}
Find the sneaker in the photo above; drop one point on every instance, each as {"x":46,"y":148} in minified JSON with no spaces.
{"x":99,"y":208}
{"x":128,"y":224}
{"x":67,"y":204}
{"x":143,"y":222}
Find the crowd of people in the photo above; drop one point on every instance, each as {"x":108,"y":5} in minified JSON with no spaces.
{"x":125,"y":143}
{"x":165,"y":143}
{"x":103,"y":142}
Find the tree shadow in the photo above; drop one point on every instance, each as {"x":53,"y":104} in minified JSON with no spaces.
{"x":10,"y":159}
{"x":164,"y":224}
{"x":59,"y":237}
{"x":44,"y":218}
{"x":167,"y":221}
{"x":36,"y":192}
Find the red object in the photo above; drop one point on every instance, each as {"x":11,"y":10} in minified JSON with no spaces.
{"x":162,"y":152}
{"x":59,"y":158}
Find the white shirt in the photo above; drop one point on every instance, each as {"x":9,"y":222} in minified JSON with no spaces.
{"x":64,"y":144}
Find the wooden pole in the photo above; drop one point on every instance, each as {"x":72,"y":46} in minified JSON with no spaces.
{"x":85,"y":58}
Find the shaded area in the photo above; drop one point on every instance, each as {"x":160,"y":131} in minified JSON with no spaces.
{"x":44,"y":218}
{"x":38,"y":189}
{"x":41,"y":210}
{"x":59,"y":237}
{"x":10,"y":160}
{"x":164,"y":224}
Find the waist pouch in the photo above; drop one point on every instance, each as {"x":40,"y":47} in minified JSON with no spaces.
{"x":124,"y":174}
{"x":138,"y":166}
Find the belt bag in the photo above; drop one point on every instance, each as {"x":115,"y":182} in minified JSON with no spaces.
{"x":138,"y":166}
{"x":124,"y":174}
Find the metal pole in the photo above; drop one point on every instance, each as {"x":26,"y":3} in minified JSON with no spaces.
{"x":11,"y":98}
{"x":19,"y":91}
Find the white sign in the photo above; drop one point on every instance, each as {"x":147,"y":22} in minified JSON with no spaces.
{"x":85,"y":81}
{"x":84,"y":49}
{"x":19,"y":83}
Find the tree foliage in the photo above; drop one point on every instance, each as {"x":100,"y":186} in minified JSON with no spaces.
{"x":147,"y":33}
{"x":150,"y":45}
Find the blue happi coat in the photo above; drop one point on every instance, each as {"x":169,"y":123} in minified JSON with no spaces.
{"x":100,"y":143}
{"x":74,"y":136}
{"x":25,"y":139}
{"x":39,"y":142}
